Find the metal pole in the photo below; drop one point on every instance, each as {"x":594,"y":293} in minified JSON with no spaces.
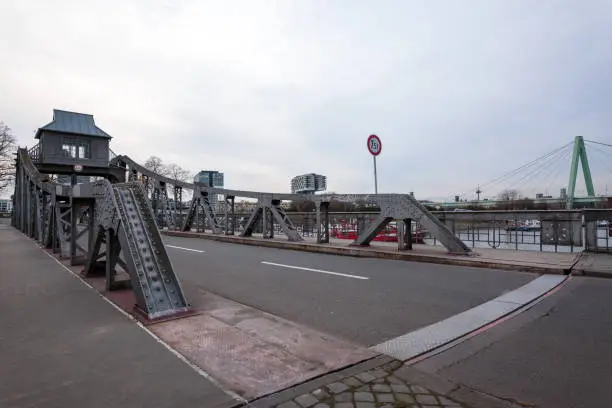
{"x":375,"y":177}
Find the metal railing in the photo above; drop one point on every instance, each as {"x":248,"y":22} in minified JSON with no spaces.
{"x":35,"y":154}
{"x":549,"y":231}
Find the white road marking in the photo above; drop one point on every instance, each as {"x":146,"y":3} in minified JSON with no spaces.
{"x":186,"y":249}
{"x":346,"y":275}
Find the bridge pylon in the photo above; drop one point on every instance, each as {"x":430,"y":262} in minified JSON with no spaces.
{"x":579,"y":154}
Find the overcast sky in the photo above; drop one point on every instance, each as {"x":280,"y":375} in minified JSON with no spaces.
{"x":458,"y":91}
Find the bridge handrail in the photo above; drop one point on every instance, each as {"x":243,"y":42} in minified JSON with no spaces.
{"x":368,"y":198}
{"x":32,"y":172}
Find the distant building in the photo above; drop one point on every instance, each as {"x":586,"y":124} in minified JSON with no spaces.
{"x":211,"y":178}
{"x":6,"y":206}
{"x":308,"y":183}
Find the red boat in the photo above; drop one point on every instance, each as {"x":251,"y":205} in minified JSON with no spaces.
{"x":389,"y":234}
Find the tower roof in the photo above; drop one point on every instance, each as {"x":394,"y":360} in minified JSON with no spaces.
{"x":73,"y":123}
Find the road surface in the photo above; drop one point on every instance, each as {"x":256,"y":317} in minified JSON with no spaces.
{"x":363,"y":300}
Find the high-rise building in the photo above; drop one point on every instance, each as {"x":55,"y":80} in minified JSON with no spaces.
{"x":308,"y":183}
{"x":211,"y":178}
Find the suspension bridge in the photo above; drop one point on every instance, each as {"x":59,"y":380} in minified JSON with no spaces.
{"x":550,"y":181}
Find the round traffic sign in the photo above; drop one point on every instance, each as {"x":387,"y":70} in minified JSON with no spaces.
{"x":374,"y":145}
{"x":78,"y":167}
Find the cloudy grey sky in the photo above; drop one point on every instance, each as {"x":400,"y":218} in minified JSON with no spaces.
{"x":459,"y":91}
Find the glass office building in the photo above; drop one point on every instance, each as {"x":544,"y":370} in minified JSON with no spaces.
{"x":211,"y":178}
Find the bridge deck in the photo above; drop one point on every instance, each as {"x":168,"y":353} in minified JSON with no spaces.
{"x":529,"y":261}
{"x":62,"y":343}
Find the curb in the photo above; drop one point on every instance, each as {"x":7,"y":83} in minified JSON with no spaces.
{"x":458,"y":260}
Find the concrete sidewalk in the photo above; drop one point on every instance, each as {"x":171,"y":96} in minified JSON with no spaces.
{"x":62,"y":345}
{"x":527,"y":261}
{"x":594,"y":264}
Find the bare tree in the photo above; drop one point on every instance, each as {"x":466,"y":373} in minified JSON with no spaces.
{"x":156,"y":165}
{"x":509,"y":195}
{"x":8,"y":144}
{"x":176,"y":172}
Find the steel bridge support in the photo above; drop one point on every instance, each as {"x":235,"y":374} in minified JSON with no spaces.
{"x":322,"y":222}
{"x":405,"y":207}
{"x":96,"y":224}
{"x":267,"y":212}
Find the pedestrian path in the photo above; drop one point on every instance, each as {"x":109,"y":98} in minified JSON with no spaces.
{"x":63,"y":345}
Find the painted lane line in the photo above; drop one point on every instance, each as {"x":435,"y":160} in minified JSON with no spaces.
{"x":186,"y":249}
{"x":346,"y":275}
{"x":426,"y":339}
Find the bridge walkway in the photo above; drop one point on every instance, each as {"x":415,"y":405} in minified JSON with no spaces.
{"x":63,"y":345}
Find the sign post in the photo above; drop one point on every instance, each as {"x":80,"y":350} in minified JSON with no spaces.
{"x":374,"y":147}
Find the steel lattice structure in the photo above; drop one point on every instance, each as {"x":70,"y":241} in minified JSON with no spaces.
{"x":112,"y":226}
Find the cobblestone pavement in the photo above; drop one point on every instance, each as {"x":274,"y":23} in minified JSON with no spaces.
{"x":377,"y":388}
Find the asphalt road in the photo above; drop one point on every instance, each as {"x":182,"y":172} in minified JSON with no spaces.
{"x":556,"y":354}
{"x":381,"y":299}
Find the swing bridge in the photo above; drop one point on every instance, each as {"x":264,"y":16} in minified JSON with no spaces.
{"x":112,"y":225}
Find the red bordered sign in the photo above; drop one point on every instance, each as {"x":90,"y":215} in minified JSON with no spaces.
{"x":374,"y":145}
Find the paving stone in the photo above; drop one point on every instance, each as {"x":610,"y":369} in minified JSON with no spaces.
{"x":385,"y":397}
{"x":380,"y":381}
{"x":381,"y":388}
{"x":365,"y":388}
{"x":352,"y":382}
{"x":426,"y":399}
{"x":337,"y":387}
{"x":365,"y":377}
{"x":419,"y":390}
{"x":289,"y":404}
{"x":405,"y":398}
{"x":306,"y":400}
{"x":344,"y":397}
{"x":321,"y":406}
{"x":448,"y":403}
{"x":364,"y":396}
{"x":365,"y":405}
{"x":394,"y":380}
{"x":400,"y":388}
{"x":320,"y":393}
{"x":378,"y":373}
{"x":344,"y":405}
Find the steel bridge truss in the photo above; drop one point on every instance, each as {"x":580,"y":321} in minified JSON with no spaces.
{"x":109,"y":228}
{"x":268,"y":212}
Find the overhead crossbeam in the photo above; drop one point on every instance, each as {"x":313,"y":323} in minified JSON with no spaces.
{"x":401,"y":207}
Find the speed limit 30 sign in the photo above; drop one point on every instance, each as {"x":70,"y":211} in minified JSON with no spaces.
{"x":374,"y":145}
